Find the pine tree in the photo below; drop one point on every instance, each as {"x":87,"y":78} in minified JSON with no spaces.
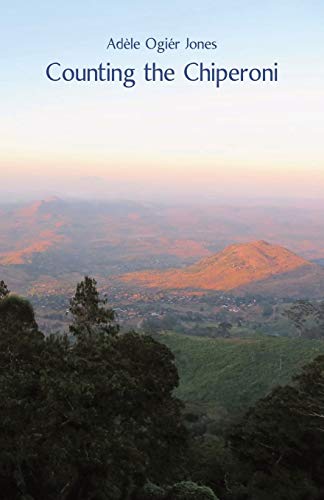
{"x":90,"y":313}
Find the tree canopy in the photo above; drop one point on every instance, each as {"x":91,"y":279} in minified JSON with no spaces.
{"x":89,"y":416}
{"x":90,"y":314}
{"x":279,"y":444}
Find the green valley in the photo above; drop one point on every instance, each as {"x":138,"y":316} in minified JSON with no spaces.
{"x":232,"y":374}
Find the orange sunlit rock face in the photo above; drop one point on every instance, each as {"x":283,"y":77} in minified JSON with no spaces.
{"x":237,"y":265}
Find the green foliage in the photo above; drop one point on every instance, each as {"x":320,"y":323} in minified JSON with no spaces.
{"x":209,"y":460}
{"x":15,"y":308}
{"x":187,"y":490}
{"x":18,"y":326}
{"x":280,"y":445}
{"x":267,"y":311}
{"x":308,"y":318}
{"x":94,"y":416}
{"x":234,"y":373}
{"x":89,"y":419}
{"x":152,"y":492}
{"x":89,"y":312}
{"x":224,"y":329}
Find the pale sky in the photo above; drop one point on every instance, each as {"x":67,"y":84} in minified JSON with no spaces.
{"x":182,"y":137}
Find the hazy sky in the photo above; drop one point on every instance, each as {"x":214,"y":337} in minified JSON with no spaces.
{"x":181,"y":138}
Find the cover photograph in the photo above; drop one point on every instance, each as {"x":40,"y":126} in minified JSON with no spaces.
{"x":162,"y":250}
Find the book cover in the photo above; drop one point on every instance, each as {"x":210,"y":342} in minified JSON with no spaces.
{"x":161,"y":250}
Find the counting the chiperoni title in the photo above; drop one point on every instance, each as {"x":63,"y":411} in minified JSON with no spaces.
{"x":192,"y":72}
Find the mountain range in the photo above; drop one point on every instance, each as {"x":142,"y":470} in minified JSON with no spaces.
{"x":47,"y":245}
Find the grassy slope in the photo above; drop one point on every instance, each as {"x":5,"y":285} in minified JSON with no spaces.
{"x":233,"y":374}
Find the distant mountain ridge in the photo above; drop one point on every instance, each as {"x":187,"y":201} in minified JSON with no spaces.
{"x":239,"y":267}
{"x":44,"y":244}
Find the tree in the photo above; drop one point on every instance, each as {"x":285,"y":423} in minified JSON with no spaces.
{"x":17,"y":316}
{"x":299,"y":313}
{"x":152,"y":492}
{"x":267,"y":311}
{"x":308,"y":318}
{"x":185,"y":490}
{"x":311,"y":389}
{"x":91,"y":419}
{"x":279,"y":444}
{"x":21,"y":346}
{"x":209,"y":462}
{"x":89,"y":312}
{"x":224,"y":329}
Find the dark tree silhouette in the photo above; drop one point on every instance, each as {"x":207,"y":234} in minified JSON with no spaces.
{"x":90,"y":312}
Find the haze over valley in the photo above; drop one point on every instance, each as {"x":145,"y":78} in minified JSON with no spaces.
{"x":147,"y":257}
